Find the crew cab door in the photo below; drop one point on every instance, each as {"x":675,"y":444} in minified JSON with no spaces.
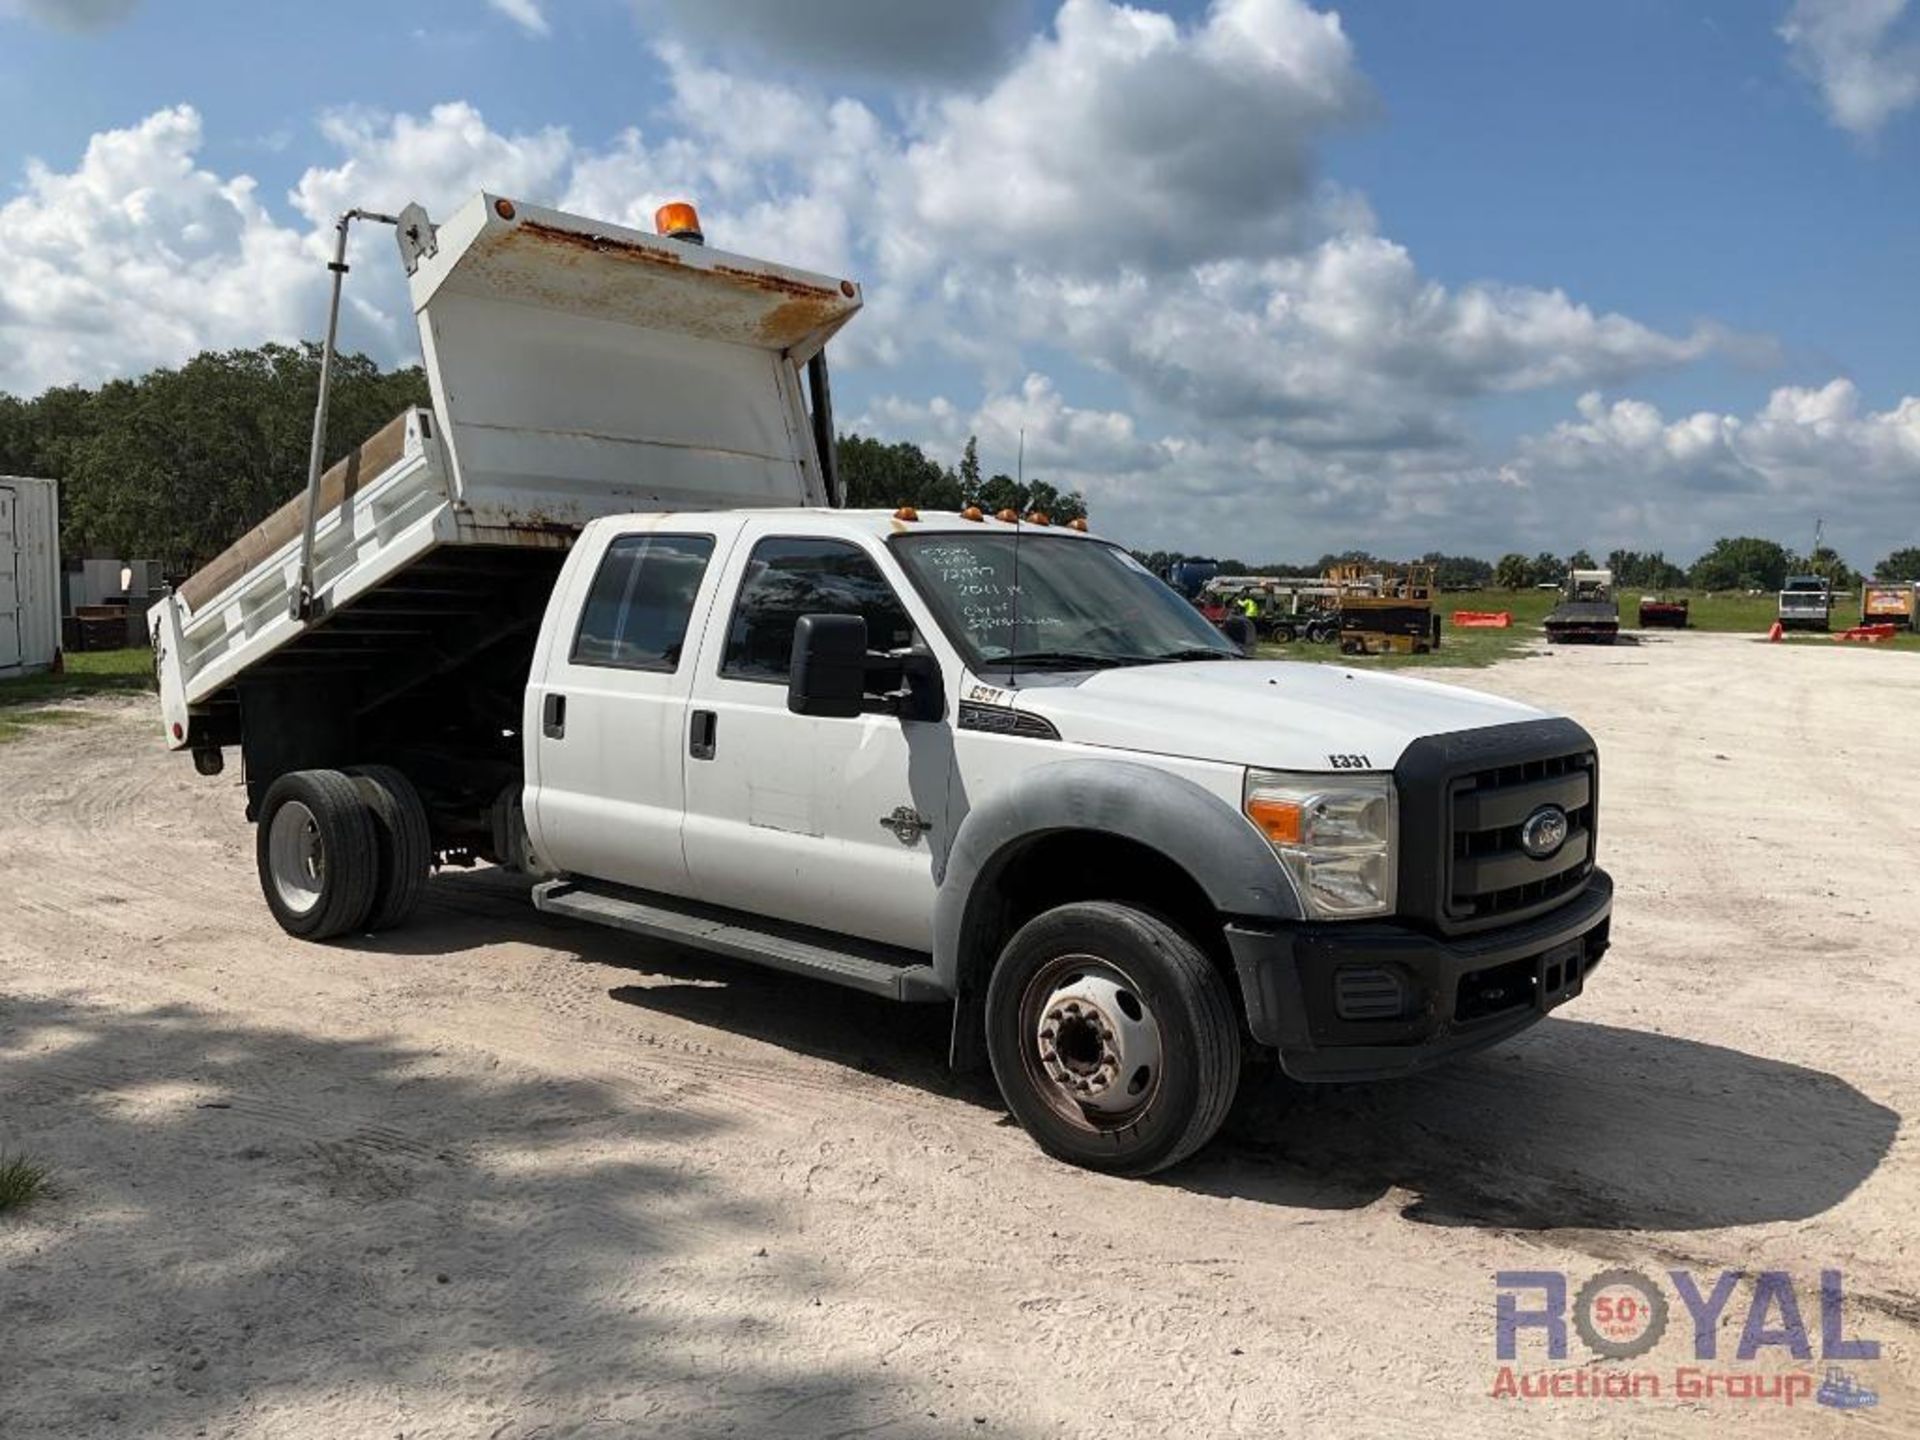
{"x":820,"y":821}
{"x":606,"y":710}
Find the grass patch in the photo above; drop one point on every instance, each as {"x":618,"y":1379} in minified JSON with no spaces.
{"x":17,"y":722}
{"x":99,"y":672}
{"x":24,"y":700}
{"x":21,"y":1181}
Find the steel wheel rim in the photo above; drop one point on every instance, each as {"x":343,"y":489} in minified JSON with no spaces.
{"x":296,"y":857}
{"x":1090,"y":1045}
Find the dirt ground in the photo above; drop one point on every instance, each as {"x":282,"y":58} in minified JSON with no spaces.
{"x":494,"y":1176}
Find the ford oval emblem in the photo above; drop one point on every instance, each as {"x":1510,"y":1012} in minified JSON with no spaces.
{"x":1543,"y":832}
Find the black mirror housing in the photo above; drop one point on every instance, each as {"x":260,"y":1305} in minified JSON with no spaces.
{"x":828,"y":675}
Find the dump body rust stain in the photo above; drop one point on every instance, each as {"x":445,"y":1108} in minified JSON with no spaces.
{"x":780,"y":284}
{"x":599,"y":244}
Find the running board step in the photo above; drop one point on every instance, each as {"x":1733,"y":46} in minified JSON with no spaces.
{"x":857,"y":964}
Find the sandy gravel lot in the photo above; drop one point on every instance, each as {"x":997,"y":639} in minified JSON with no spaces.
{"x":493,"y":1176}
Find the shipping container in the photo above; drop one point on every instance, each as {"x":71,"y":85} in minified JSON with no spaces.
{"x":29,"y":575}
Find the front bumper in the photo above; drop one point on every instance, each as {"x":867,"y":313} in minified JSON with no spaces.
{"x":1370,"y":1001}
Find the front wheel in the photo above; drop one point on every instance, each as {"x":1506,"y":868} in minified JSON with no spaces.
{"x":1113,"y":1038}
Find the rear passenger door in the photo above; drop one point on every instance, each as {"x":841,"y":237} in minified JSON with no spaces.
{"x":609,"y":785}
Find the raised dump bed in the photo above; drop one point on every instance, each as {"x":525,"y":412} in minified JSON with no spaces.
{"x":577,"y":369}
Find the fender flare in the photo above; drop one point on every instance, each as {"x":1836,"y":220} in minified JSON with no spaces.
{"x":1195,"y":829}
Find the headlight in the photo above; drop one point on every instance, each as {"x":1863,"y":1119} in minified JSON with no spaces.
{"x":1335,"y":834}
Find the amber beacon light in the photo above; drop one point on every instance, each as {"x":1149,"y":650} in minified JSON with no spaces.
{"x":678,"y":220}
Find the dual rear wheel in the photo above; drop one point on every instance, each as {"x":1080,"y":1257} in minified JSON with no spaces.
{"x":342,"y":850}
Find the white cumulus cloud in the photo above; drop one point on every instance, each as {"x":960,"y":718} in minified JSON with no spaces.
{"x":1685,"y":480}
{"x":1866,"y":65}
{"x":139,"y":256}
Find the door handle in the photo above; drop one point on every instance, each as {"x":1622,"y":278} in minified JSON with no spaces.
{"x":553,"y":716}
{"x":704,"y":734}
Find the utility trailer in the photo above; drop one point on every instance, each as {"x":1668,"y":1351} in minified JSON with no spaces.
{"x":1588,"y":613}
{"x":576,"y":370}
{"x":1885,"y":602}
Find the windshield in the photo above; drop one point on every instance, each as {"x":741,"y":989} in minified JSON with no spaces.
{"x":1079,"y":604}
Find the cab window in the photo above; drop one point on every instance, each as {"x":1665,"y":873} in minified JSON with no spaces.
{"x":788,"y":578}
{"x":642,"y":597}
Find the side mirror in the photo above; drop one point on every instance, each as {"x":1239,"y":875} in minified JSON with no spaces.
{"x":829,"y":668}
{"x":1240,"y":630}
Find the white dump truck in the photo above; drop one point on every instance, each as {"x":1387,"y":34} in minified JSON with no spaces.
{"x":597,"y":615}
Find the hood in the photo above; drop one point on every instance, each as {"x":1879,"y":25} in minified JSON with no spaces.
{"x":1271,"y":715}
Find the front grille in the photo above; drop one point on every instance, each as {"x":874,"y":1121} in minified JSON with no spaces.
{"x":1489,"y":873}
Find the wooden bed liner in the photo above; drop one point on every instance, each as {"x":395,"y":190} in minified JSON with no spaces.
{"x":371,"y":457}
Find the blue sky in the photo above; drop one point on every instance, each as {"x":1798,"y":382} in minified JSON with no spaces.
{"x":1481,"y":276}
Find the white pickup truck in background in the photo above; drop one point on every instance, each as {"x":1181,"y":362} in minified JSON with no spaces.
{"x":596,"y":615}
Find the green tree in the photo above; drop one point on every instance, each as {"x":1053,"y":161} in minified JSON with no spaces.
{"x":1741,"y":563}
{"x":1548,"y":568}
{"x":1458,"y":572}
{"x":970,"y":472}
{"x":175,"y":464}
{"x":1902,"y":564}
{"x":1581,"y":560}
{"x":1058,"y":506}
{"x":877,"y":476}
{"x":1514,"y":572}
{"x":1826,"y":563}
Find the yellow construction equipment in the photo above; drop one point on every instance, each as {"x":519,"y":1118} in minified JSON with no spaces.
{"x":1385,"y":609}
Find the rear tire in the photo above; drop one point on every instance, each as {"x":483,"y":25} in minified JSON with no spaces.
{"x":402,"y":840}
{"x":1113,"y":1038}
{"x":316,"y":852}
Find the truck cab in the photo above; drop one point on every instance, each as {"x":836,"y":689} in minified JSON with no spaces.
{"x":598,"y":617}
{"x":998,"y":765}
{"x":1806,"y":603}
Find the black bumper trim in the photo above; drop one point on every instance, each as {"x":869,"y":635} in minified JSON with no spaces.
{"x":1287,"y":977}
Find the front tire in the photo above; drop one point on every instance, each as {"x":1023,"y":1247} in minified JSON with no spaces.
{"x":315,"y":849}
{"x":1113,"y":1038}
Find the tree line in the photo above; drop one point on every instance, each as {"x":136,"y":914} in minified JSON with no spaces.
{"x":876,"y":475}
{"x":1742,"y":562}
{"x":175,"y":464}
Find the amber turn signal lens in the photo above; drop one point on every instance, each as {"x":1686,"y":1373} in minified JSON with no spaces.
{"x":1279,"y":820}
{"x":1038,"y":517}
{"x":503,"y":208}
{"x":973,"y":512}
{"x":1010,"y":516}
{"x":906,"y":512}
{"x":1078,"y":523}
